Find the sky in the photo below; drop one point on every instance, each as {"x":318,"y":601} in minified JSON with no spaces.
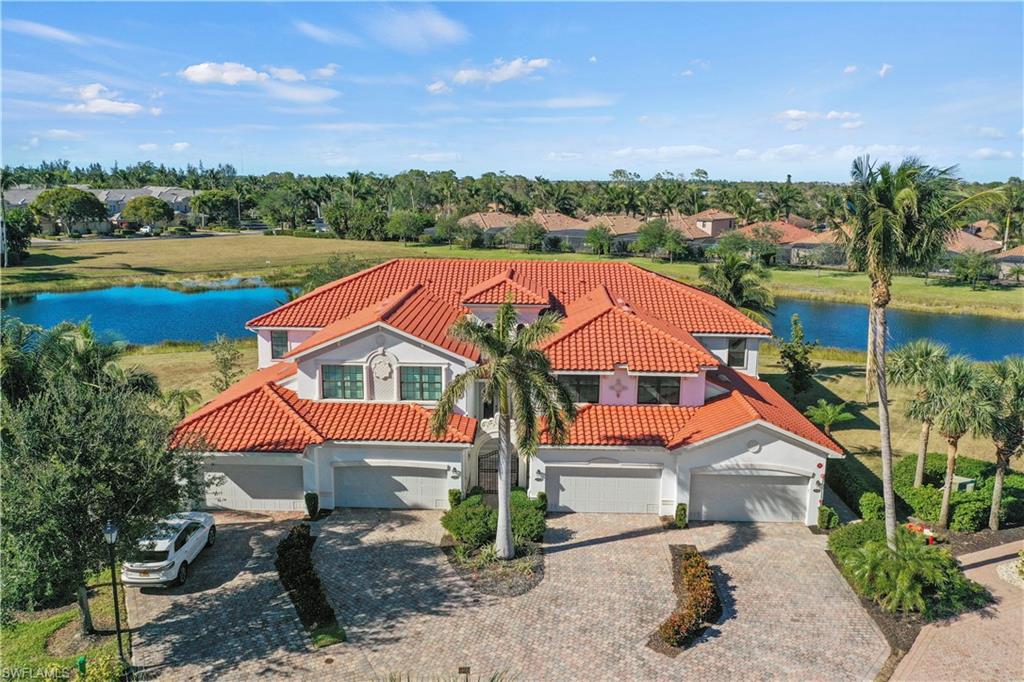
{"x":564,"y":91}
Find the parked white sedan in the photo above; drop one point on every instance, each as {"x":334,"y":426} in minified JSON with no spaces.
{"x":165,"y":556}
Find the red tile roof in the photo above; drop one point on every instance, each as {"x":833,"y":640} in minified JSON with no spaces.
{"x":491,"y":220}
{"x":601,"y":333}
{"x":270,"y":418}
{"x":1014,"y":253}
{"x":618,"y":224}
{"x":551,"y":220}
{"x":713,"y":214}
{"x":671,"y":426}
{"x":962,"y":241}
{"x":497,"y":290}
{"x":789,"y":233}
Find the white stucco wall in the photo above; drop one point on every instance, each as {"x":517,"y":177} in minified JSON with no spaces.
{"x":719,"y":347}
{"x":295,"y":337}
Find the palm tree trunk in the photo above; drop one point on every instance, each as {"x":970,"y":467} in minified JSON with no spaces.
{"x":869,"y":367}
{"x":1002,"y":461}
{"x":503,"y":540}
{"x":83,"y":608}
{"x":922,"y":453}
{"x":888,"y":497}
{"x":947,"y":491}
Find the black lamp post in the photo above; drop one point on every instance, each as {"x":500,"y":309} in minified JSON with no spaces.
{"x":110,"y":535}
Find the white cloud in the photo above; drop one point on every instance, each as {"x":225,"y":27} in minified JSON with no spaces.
{"x":841,"y":115}
{"x":593,"y":59}
{"x":886,"y":68}
{"x":852,"y":125}
{"x":790,"y":152}
{"x":702,"y":64}
{"x":563,"y":156}
{"x":180,"y":146}
{"x":328,"y":36}
{"x":797,"y":119}
{"x":666,"y":152}
{"x":61,"y":134}
{"x":568,"y":102}
{"x":990,"y":154}
{"x":501,"y":71}
{"x":852,"y":68}
{"x":326,"y":71}
{"x":148,"y":146}
{"x":881,"y":151}
{"x":306,"y":94}
{"x":285,"y":74}
{"x":686,"y":73}
{"x":43,"y":31}
{"x":98,"y":99}
{"x":225,"y":73}
{"x":332,"y":158}
{"x":414,"y":29}
{"x":438,"y":87}
{"x":990,"y":133}
{"x":32,"y":143}
{"x":156,"y":111}
{"x":435,"y":157}
{"x":745,"y":153}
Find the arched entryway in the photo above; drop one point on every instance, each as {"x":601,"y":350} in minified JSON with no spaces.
{"x":487,"y":470}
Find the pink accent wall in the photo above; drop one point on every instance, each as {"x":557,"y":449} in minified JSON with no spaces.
{"x":691,"y":394}
{"x":627,"y":396}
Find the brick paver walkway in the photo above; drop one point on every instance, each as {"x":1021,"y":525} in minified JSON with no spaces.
{"x":985,"y":645}
{"x":788,"y":613}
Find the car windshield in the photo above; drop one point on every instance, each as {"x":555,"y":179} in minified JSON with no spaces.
{"x":152,"y":556}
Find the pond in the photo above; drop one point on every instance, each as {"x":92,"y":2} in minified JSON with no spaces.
{"x":149,"y":315}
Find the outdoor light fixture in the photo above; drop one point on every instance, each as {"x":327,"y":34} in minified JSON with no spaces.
{"x":110,"y":535}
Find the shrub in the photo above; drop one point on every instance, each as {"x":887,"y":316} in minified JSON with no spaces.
{"x":527,"y":518}
{"x":852,"y":536}
{"x":542,"y":502}
{"x":925,"y":502}
{"x":474,"y":524}
{"x":872,"y":506}
{"x":701,"y":606}
{"x":454,"y":497}
{"x":970,"y":515}
{"x":681,"y":515}
{"x":312,"y":501}
{"x":295,"y":568}
{"x":827,"y":517}
{"x":847,"y":483}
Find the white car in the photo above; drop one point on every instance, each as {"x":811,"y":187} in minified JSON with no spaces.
{"x":164,"y":556}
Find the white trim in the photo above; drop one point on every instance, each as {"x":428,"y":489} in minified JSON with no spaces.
{"x":462,"y":359}
{"x":698,"y":335}
{"x":268,"y":458}
{"x":320,"y":382}
{"x":411,"y":463}
{"x":602,"y":465}
{"x":400,"y":443}
{"x":398,"y":381}
{"x":258,"y":329}
{"x":681,"y":375}
{"x":591,"y":372}
{"x":630,"y":448}
{"x":751,"y":469}
{"x":829,"y":454}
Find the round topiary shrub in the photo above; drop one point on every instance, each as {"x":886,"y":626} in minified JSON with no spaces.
{"x":827,"y":517}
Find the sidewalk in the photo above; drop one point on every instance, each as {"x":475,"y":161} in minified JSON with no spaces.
{"x":984,"y":645}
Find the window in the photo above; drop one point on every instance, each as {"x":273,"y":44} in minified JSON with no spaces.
{"x":343,"y":382}
{"x":737,"y":353}
{"x":584,"y":388}
{"x":420,"y":383}
{"x":658,"y":391}
{"x":278,"y":344}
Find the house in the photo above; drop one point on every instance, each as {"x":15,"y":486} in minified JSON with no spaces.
{"x":986,"y":229}
{"x":670,"y":407}
{"x":793,"y":241}
{"x":623,"y":228}
{"x":570,"y":230}
{"x":177,"y":198}
{"x":713,"y":221}
{"x":963,"y":241}
{"x":1010,"y":259}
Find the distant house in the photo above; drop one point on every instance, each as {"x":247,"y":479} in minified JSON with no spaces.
{"x":492,"y":223}
{"x":800,"y":221}
{"x":1007,"y":260}
{"x":962,"y":241}
{"x":622,"y":227}
{"x":793,"y":241}
{"x":570,"y":230}
{"x":986,"y":229}
{"x":713,"y":221}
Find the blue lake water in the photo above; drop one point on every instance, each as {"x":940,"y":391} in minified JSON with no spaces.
{"x":150,"y":315}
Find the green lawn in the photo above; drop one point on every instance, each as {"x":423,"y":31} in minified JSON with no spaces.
{"x":88,"y":264}
{"x":23,"y":645}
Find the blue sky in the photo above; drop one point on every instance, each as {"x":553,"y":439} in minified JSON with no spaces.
{"x":746,"y":91}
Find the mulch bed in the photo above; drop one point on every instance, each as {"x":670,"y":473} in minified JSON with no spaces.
{"x":965,"y":543}
{"x":655,"y":641}
{"x":501,"y":578}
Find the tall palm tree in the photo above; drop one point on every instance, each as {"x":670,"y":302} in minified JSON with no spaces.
{"x":740,"y":282}
{"x":783,"y":199}
{"x":914,"y":365}
{"x":964,"y":403}
{"x":1007,"y":431}
{"x":181,"y":400}
{"x":517,"y":378}
{"x":901,"y":219}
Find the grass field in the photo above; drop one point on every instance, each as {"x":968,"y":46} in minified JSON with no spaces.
{"x":85,"y":264}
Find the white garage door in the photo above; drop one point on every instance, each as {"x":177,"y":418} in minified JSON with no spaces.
{"x":391,"y":487}
{"x":740,"y":497}
{"x":254,"y":487}
{"x":603,"y":490}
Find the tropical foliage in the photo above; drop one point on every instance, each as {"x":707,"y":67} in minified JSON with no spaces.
{"x":826,"y":414}
{"x":915,"y":365}
{"x":741,"y":283}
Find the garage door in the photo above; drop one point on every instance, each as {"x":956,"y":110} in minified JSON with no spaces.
{"x":741,"y":497}
{"x":391,"y":487}
{"x":603,"y":490}
{"x":254,"y":487}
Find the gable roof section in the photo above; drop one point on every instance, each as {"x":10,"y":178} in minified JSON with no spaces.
{"x":497,"y":290}
{"x":269,"y":418}
{"x":962,"y":241}
{"x":602,"y":333}
{"x":446,"y":280}
{"x":1013,"y":254}
{"x":789,"y":233}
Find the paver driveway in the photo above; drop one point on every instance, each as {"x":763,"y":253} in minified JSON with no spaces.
{"x":607,"y":585}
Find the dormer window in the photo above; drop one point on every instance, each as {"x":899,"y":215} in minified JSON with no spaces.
{"x":584,"y":388}
{"x":737,"y":353}
{"x":278,"y":343}
{"x":420,"y":383}
{"x":342,"y":382}
{"x":656,"y":390}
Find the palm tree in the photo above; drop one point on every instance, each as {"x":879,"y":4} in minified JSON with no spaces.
{"x":740,"y":283}
{"x":783,"y":199}
{"x":901,"y":218}
{"x":964,"y":403}
{"x":1016,"y":271}
{"x":827,"y":414}
{"x":181,"y":400}
{"x":1007,"y":430}
{"x":517,"y":378}
{"x":1010,"y":209}
{"x":914,"y":365}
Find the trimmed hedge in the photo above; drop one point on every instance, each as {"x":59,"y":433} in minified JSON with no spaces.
{"x":474,"y":524}
{"x":848,"y":484}
{"x":852,"y":536}
{"x":701,"y":606}
{"x":295,"y":567}
{"x":827,"y":517}
{"x":872,"y":506}
{"x":454,"y":498}
{"x":681,"y":515}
